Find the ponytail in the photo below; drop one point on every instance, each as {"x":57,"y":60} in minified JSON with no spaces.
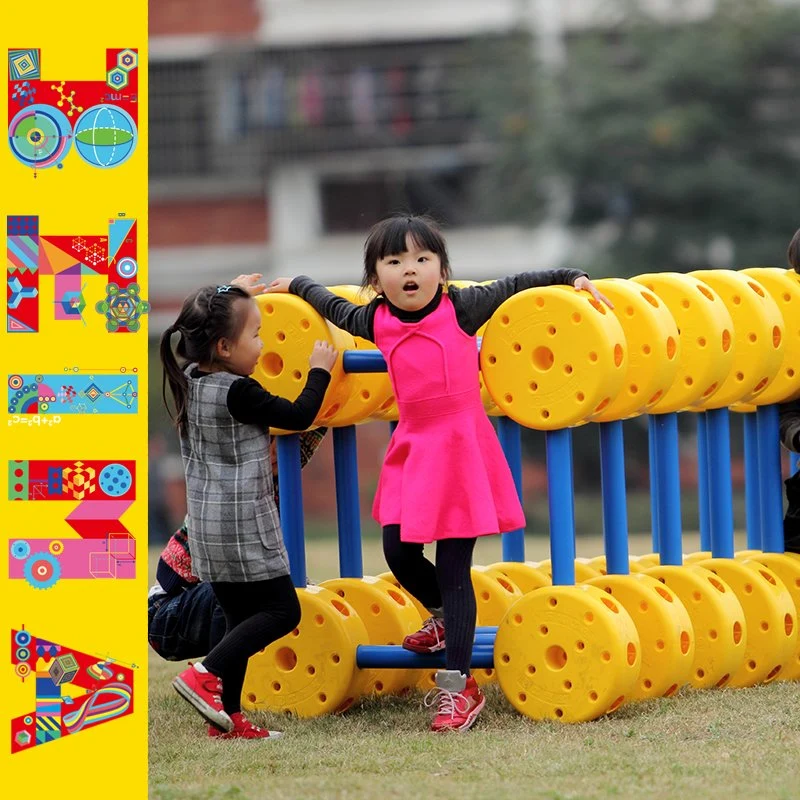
{"x":177,"y":380}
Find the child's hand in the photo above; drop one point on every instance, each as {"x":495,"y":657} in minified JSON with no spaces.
{"x":323,"y":355}
{"x":279,"y":285}
{"x":250,"y":283}
{"x":583,"y":283}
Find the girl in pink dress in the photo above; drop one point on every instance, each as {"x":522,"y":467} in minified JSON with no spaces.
{"x":444,"y":477}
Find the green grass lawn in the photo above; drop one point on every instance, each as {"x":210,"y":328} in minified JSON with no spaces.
{"x":736,"y":743}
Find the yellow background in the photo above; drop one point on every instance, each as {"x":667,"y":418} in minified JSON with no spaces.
{"x":103,"y":617}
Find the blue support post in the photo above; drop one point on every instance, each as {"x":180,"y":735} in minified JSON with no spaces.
{"x":770,"y":478}
{"x":664,"y":438}
{"x":702,"y":482}
{"x":561,"y":504}
{"x":363,"y":361}
{"x":509,"y":432}
{"x":752,"y":487}
{"x":654,"y":493}
{"x":291,"y":497}
{"x":348,"y":511}
{"x":615,"y":511}
{"x":720,"y":491}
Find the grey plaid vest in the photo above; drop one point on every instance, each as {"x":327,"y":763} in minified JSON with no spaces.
{"x":234,"y":527}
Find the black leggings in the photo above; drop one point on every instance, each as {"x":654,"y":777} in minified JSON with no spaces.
{"x":256,"y":614}
{"x":448,"y":585}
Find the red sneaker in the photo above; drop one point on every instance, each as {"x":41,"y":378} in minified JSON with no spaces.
{"x":203,"y":691}
{"x":243,"y":729}
{"x":428,"y":639}
{"x":458,"y":707}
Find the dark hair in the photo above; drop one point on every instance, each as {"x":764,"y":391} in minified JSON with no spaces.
{"x":206,"y":317}
{"x":793,"y":253}
{"x":388,"y":238}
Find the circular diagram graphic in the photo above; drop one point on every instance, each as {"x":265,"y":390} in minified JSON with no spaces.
{"x":40,"y":136}
{"x":105,"y":136}
{"x":127,"y":267}
{"x":115,"y":480}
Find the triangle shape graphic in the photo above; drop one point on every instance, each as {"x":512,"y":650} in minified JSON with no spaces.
{"x":75,"y":269}
{"x":15,"y":326}
{"x":118,"y":231}
{"x":56,"y":259}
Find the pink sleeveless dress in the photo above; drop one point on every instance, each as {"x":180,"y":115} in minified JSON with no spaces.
{"x":444,"y":475}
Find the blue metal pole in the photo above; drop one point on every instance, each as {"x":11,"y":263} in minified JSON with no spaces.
{"x":664,"y":429}
{"x":702,"y":482}
{"x":561,"y":503}
{"x":720,"y":491}
{"x":348,"y":512}
{"x":654,"y":493}
{"x":291,"y":497}
{"x":770,"y":478}
{"x":752,"y":487}
{"x":363,"y":361}
{"x":395,"y":657}
{"x":509,"y":433}
{"x":615,"y":511}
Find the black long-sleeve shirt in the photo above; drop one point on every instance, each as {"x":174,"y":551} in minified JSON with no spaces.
{"x":251,"y":404}
{"x":474,"y":305}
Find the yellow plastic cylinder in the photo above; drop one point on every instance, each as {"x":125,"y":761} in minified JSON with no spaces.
{"x":706,"y":338}
{"x":552,"y":357}
{"x":758,"y":334}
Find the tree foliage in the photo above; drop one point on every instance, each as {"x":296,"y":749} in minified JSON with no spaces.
{"x":668,"y":137}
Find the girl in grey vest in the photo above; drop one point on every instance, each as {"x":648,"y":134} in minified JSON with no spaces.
{"x":223,"y":418}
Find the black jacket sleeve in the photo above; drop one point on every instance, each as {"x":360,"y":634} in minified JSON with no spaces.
{"x":251,"y":404}
{"x":789,"y":414}
{"x":355,"y":319}
{"x":475,"y":305}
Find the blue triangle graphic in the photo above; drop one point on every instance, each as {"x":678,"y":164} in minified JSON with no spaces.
{"x":117,"y":231}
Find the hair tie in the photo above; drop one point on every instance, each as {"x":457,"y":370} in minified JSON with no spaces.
{"x":226,"y":288}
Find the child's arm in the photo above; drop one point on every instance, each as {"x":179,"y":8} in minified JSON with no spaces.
{"x":475,"y":305}
{"x":355,"y":319}
{"x":249,"y":403}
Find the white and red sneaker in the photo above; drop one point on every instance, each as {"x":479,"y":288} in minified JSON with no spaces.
{"x":243,"y":729}
{"x":459,"y":698}
{"x":428,"y":639}
{"x":203,"y":691}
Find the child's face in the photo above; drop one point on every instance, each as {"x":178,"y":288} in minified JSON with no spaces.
{"x":409,"y":280}
{"x":243,"y":353}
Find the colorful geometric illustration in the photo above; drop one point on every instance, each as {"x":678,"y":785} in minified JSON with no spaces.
{"x":74,"y":262}
{"x":104,"y":112}
{"x":77,"y":393}
{"x":104,"y":490}
{"x":74,"y":690}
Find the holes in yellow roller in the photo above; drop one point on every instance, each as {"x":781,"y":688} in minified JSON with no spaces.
{"x":773,"y":673}
{"x":737,"y":632}
{"x":647,"y":349}
{"x":711,"y":389}
{"x":297,"y":375}
{"x":509,"y":398}
{"x":718,"y":585}
{"x":647,"y":683}
{"x":767,"y":577}
{"x":341,"y":608}
{"x":660,"y":644}
{"x":655,"y":398}
{"x":251,"y":697}
{"x":576,"y":318}
{"x":322,"y":697}
{"x":505,"y":658}
{"x":588,"y":618}
{"x":485,"y":595}
{"x":688,"y":380}
{"x":664,"y":593}
{"x":751,"y":665}
{"x":276,"y":687}
{"x":305,"y":324}
{"x":504,"y":319}
{"x":671,"y":691}
{"x":631,"y":653}
{"x":593,"y":357}
{"x":280,"y":336}
{"x":686,"y":642}
{"x":706,"y":292}
{"x":685,"y":303}
{"x":633,"y":389}
{"x":397,"y":597}
{"x":629,"y":311}
{"x":618,"y":355}
{"x":544,"y":630}
{"x":568,"y":369}
{"x":559,"y":713}
{"x":272,"y":364}
{"x":593,"y":696}
{"x":788,"y":624}
{"x":375,"y":609}
{"x":296,"y":632}
{"x":602,"y":404}
{"x":543,"y":358}
{"x":650,"y":298}
{"x":697,"y":597}
{"x":533,"y":386}
{"x":579,"y":645}
{"x":776,"y":336}
{"x":545,"y":414}
{"x":672,"y":348}
{"x":644,"y":606}
{"x":269,"y":309}
{"x":722,"y":681}
{"x":701,"y":673}
{"x":701,"y":341}
{"x":726,"y":340}
{"x":616,"y":704}
{"x":365,"y":394}
{"x":540,"y":302}
{"x":756,"y":288}
{"x":597,"y":306}
{"x":551,"y":330}
{"x":555,"y":657}
{"x":712,"y":634}
{"x":580,"y":397}
{"x":286,"y":659}
{"x":748,"y":588}
{"x":736,"y":300}
{"x":764,"y":625}
{"x":311,"y":669}
{"x":492,"y":359}
{"x":329,"y":412}
{"x":336,"y":658}
{"x":606,"y":656}
{"x":610,"y":604}
{"x":552,"y":601}
{"x":517,"y":619}
{"x":752,"y":337}
{"x":530,"y":669}
{"x":522,"y":697}
{"x":567,"y":685}
{"x":319,"y":619}
{"x":516,"y":347}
